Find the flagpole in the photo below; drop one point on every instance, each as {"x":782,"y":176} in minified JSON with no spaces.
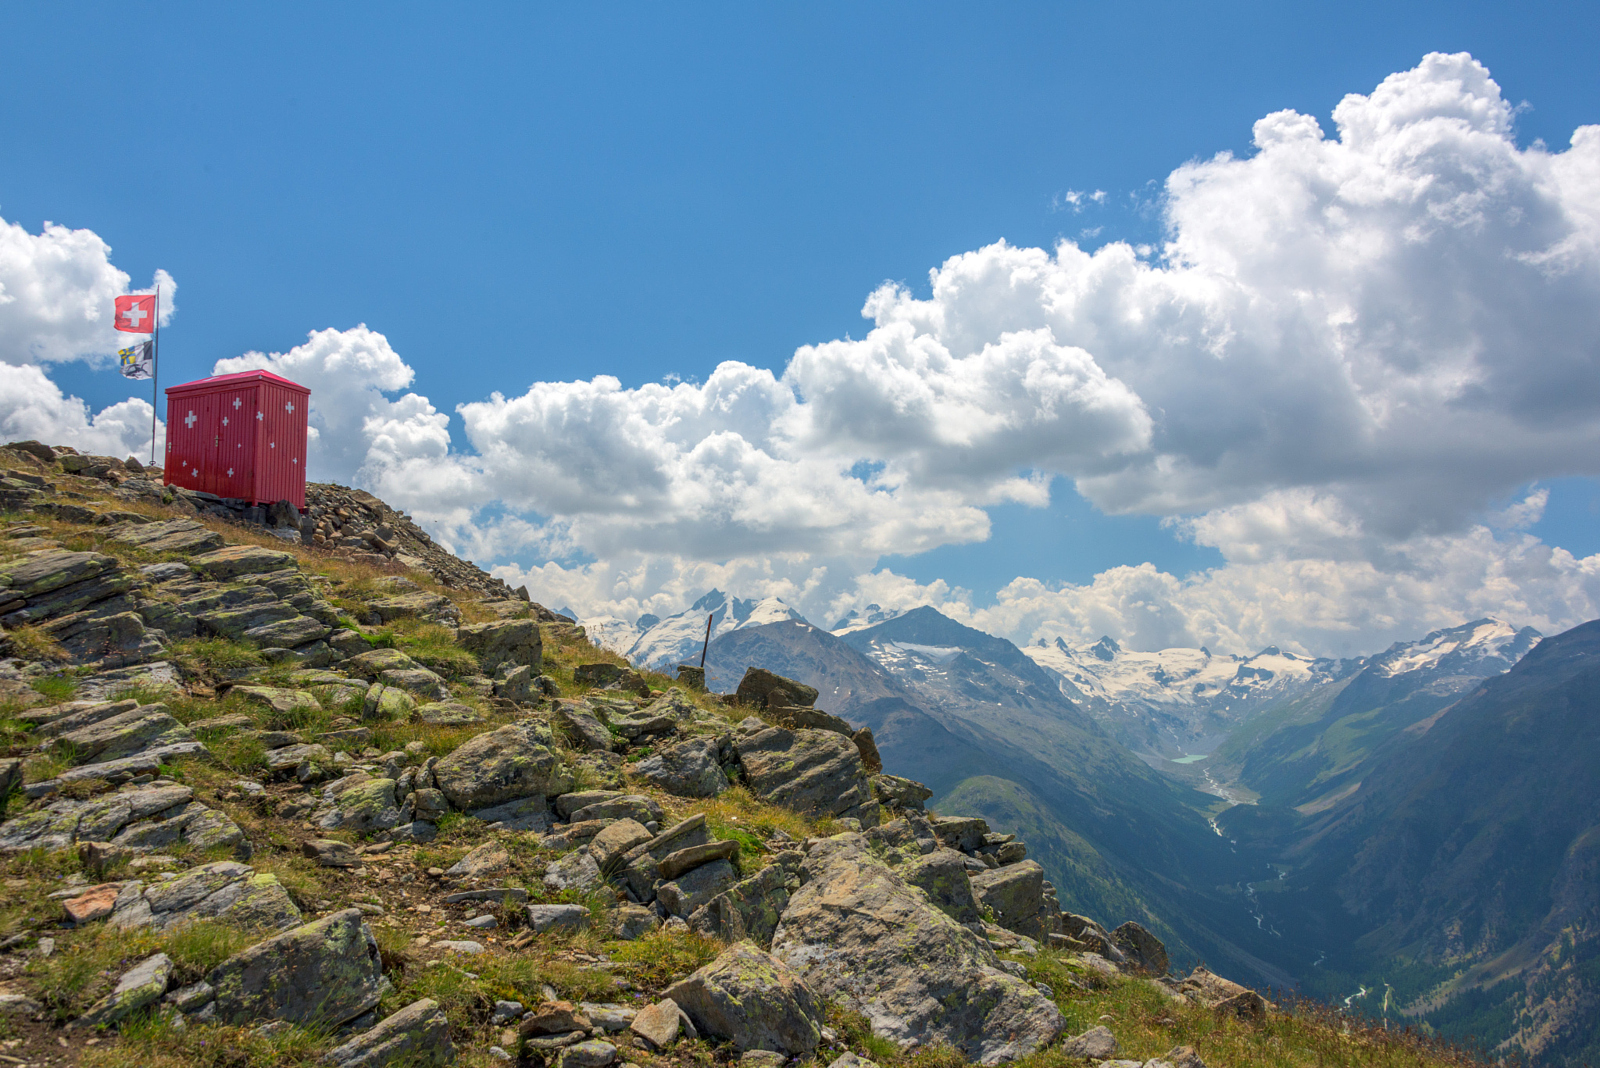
{"x":155,"y":374}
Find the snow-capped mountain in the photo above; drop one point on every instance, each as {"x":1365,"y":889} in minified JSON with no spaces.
{"x":855,"y":620}
{"x":663,"y":644}
{"x":1476,"y":650}
{"x":612,"y":632}
{"x":1179,"y":677}
{"x":1178,"y":700}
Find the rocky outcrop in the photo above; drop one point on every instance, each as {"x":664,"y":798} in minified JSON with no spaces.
{"x":226,"y":891}
{"x":750,"y":909}
{"x":694,"y":888}
{"x":942,"y":875}
{"x":138,"y":987}
{"x":1223,"y":995}
{"x":322,"y":973}
{"x":160,"y":815}
{"x":496,"y":645}
{"x":502,"y":765}
{"x":763,"y":688}
{"x":753,"y":1001}
{"x":611,"y":677}
{"x":1143,"y":949}
{"x":359,"y":803}
{"x":815,"y":772}
{"x":417,"y":1036}
{"x":860,"y":933}
{"x":1015,"y":896}
{"x":685,"y":769}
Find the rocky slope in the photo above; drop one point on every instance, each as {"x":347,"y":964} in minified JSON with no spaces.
{"x":989,"y":730}
{"x":276,"y":800}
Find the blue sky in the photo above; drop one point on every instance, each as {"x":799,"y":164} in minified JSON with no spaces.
{"x":521,"y":193}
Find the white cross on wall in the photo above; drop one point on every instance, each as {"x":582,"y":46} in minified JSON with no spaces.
{"x":258,"y":415}
{"x":189,"y":422}
{"x":135,"y":314}
{"x":230,"y":472}
{"x":289,"y":407}
{"x":224,"y":420}
{"x":236,"y":403}
{"x":274,"y":445}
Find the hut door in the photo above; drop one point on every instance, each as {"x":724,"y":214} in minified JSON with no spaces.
{"x":210,"y":427}
{"x":235,"y":439}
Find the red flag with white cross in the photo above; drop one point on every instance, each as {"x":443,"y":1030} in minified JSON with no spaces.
{"x":136,"y":314}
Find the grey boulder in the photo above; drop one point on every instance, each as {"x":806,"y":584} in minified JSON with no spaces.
{"x":417,"y":1036}
{"x":696,"y":887}
{"x":686,"y":769}
{"x":1016,"y":895}
{"x":225,"y":891}
{"x":752,"y":1000}
{"x":860,"y":934}
{"x":142,"y":985}
{"x":323,"y":973}
{"x":501,"y":765}
{"x":1095,"y":1044}
{"x":1142,"y":948}
{"x":543,"y":918}
{"x":816,"y":772}
{"x":515,"y":642}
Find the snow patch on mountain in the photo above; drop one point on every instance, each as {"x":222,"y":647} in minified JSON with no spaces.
{"x":610,"y":632}
{"x":1458,"y":648}
{"x":1179,"y":677}
{"x":856,"y":620}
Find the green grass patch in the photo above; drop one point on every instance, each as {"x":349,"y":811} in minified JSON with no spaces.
{"x":56,"y":688}
{"x":662,"y":957}
{"x":152,"y":1041}
{"x":198,"y":947}
{"x":83,"y":969}
{"x":215,"y":657}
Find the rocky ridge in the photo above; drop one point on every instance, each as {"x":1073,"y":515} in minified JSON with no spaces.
{"x":294,"y":799}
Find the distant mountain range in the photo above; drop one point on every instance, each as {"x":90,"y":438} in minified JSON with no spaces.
{"x":663,"y":644}
{"x":1178,"y":702}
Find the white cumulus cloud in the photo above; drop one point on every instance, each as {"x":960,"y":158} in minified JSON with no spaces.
{"x":32,"y":407}
{"x":1348,"y":348}
{"x":56,"y":294}
{"x":57,"y":288}
{"x":356,"y":433}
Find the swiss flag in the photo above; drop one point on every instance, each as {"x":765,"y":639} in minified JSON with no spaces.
{"x":136,"y":314}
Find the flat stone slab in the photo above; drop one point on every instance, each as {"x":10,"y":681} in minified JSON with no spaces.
{"x":226,"y":891}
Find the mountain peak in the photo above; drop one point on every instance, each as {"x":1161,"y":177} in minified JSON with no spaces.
{"x":1105,"y":649}
{"x":861,"y":619}
{"x":710,"y":602}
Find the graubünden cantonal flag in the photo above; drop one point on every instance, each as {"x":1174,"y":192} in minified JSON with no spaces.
{"x":136,"y":314}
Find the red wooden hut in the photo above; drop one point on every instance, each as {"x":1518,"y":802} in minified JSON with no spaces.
{"x":241,"y":436}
